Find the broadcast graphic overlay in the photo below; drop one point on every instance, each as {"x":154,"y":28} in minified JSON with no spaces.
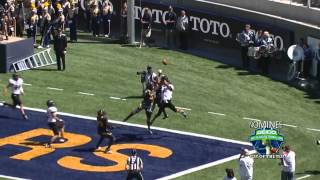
{"x":266,"y":138}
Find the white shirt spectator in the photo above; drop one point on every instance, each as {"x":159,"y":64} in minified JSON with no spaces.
{"x":246,"y":168}
{"x":50,"y":111}
{"x":289,"y":161}
{"x":16,"y":85}
{"x":182,"y":23}
{"x":167,"y":92}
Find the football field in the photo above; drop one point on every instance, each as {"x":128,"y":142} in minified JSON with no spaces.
{"x":220,"y":101}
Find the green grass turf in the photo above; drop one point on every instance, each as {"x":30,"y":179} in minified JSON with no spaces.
{"x":201,"y":84}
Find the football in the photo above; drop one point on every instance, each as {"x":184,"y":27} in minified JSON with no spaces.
{"x":165,"y":61}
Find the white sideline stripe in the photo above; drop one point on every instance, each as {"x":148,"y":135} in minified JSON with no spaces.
{"x":188,"y":171}
{"x":11,"y":177}
{"x":251,"y":119}
{"x":219,"y":114}
{"x":187,"y":109}
{"x":172,"y":176}
{"x":311,"y":129}
{"x":145,"y":127}
{"x":88,"y":94}
{"x":289,"y":125}
{"x":302,"y":177}
{"x":57,"y":89}
{"x":261,"y":13}
{"x":26,"y":84}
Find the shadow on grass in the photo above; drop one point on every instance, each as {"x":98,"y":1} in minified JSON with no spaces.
{"x":311,"y":172}
{"x":43,"y":69}
{"x":132,"y":97}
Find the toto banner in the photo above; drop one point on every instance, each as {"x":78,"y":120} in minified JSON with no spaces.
{"x":206,"y":29}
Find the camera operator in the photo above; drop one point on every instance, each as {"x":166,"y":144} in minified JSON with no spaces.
{"x":147,"y":77}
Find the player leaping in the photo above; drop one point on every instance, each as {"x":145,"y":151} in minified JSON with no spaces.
{"x":16,"y":85}
{"x":146,"y":104}
{"x":166,"y":96}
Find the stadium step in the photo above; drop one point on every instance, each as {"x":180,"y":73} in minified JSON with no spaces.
{"x":37,"y":60}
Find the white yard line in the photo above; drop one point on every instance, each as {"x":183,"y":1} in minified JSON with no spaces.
{"x":219,"y":114}
{"x":117,"y":98}
{"x":84,"y":93}
{"x":11,"y":177}
{"x":26,"y":84}
{"x":302,"y":177}
{"x":311,"y":129}
{"x":56,"y":89}
{"x":289,"y":125}
{"x":187,"y":109}
{"x":251,"y":119}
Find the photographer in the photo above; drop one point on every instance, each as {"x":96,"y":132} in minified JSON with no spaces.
{"x":147,"y":77}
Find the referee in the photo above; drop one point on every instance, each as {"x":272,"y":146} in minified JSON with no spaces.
{"x":134,"y":166}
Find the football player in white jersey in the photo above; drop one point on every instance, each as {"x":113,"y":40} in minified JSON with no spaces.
{"x":166,"y":99}
{"x":55,"y":123}
{"x":16,"y":86}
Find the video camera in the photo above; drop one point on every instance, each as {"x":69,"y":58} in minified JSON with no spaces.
{"x":142,"y":75}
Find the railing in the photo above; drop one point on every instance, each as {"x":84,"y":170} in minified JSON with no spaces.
{"x":306,"y":3}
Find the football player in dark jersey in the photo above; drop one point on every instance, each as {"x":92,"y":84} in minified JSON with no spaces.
{"x":146,"y":104}
{"x":104,"y":130}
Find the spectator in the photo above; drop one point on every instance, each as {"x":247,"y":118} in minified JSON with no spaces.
{"x":246,"y":38}
{"x":72,"y":18}
{"x":245,"y":165}
{"x":146,"y":21}
{"x":307,"y":60}
{"x":230,"y":175}
{"x":170,"y":25}
{"x":124,"y":15}
{"x":95,"y":19}
{"x":106,"y":17}
{"x":45,"y":30}
{"x":317,"y":55}
{"x":182,"y":27}
{"x":288,"y":163}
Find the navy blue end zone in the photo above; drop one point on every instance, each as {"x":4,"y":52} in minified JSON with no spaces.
{"x":188,"y":151}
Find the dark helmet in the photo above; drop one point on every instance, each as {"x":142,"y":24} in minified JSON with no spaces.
{"x":50,"y":103}
{"x":101,"y":112}
{"x":134,"y":152}
{"x":164,"y":77}
{"x":15,"y":76}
